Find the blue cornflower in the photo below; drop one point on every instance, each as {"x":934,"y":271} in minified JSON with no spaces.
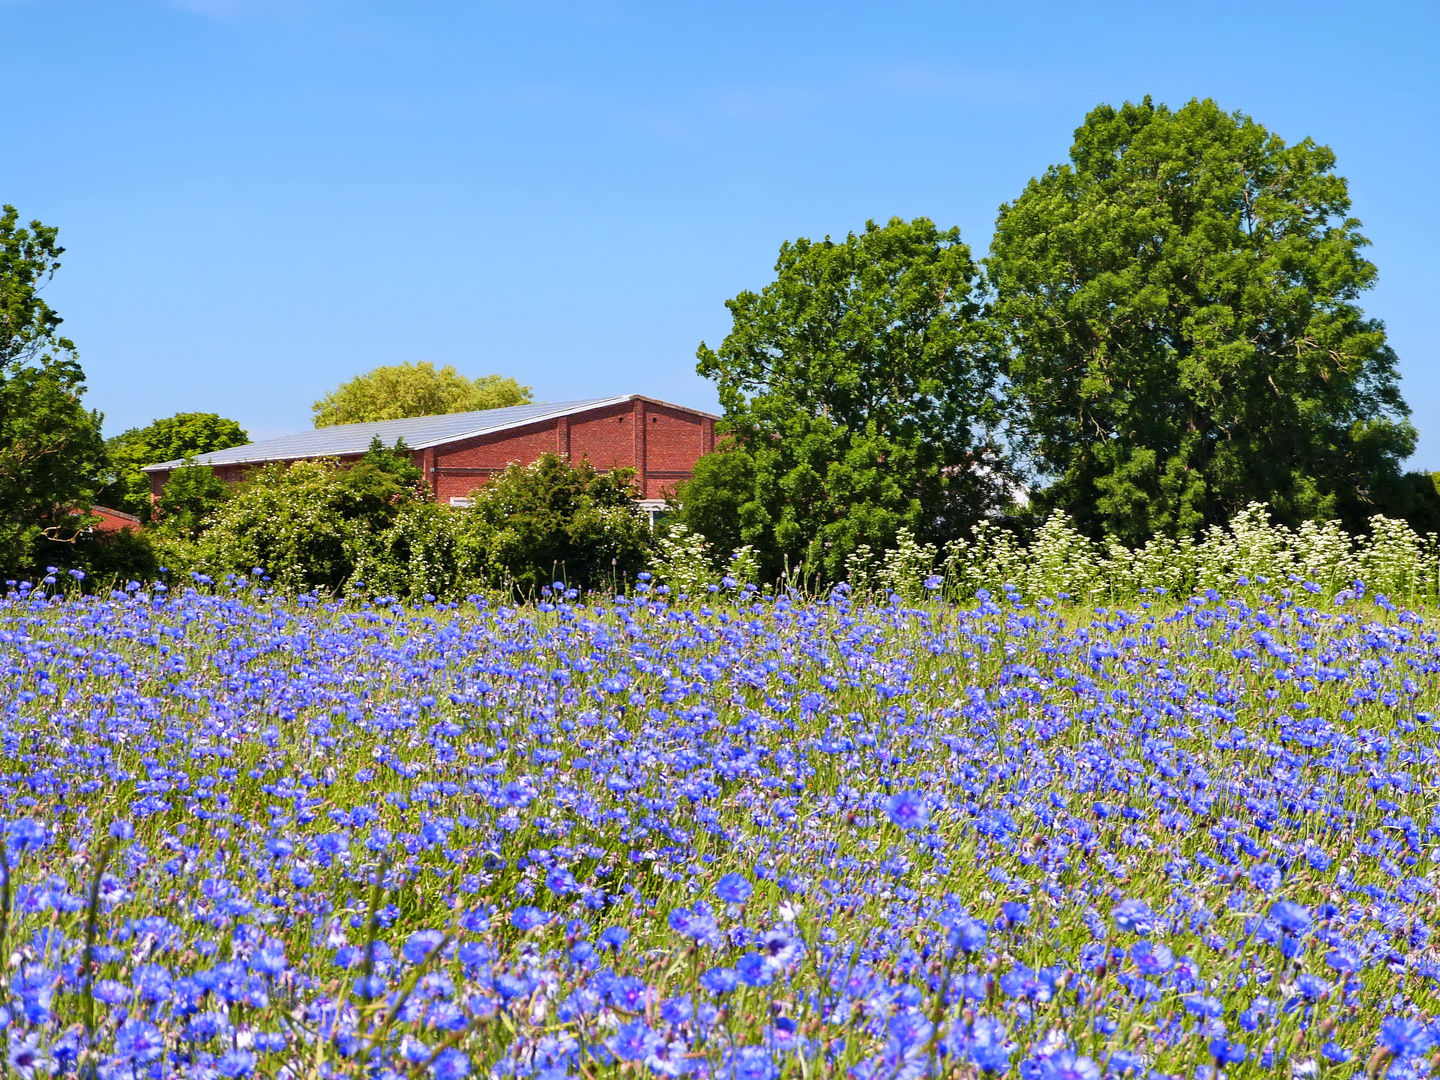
{"x":561,"y":882}
{"x":139,"y":1041}
{"x":528,"y":917}
{"x":989,"y":1045}
{"x":1016,"y":913}
{"x":1290,"y":916}
{"x":1338,"y":1054}
{"x":26,"y":835}
{"x":450,"y":1065}
{"x":1067,"y":1065}
{"x":236,"y":1063}
{"x":1134,"y":916}
{"x":633,"y":1042}
{"x":754,"y":971}
{"x":1404,"y":1037}
{"x":1344,"y":960}
{"x":613,"y":937}
{"x":26,"y":1057}
{"x":1226,"y":1052}
{"x":720,"y":980}
{"x":698,"y":923}
{"x":967,"y":934}
{"x":269,"y":959}
{"x":153,"y":982}
{"x":1152,"y":957}
{"x":1265,"y":877}
{"x":748,"y":1063}
{"x":734,"y":889}
{"x":111,"y":992}
{"x":907,"y":809}
{"x":779,"y":947}
{"x":421,"y":944}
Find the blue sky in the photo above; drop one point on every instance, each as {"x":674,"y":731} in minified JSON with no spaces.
{"x":261,"y":198}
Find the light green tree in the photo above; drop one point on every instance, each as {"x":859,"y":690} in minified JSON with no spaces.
{"x":397,"y":391}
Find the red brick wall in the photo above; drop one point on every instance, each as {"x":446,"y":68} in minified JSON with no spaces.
{"x":605,"y":436}
{"x":113,"y":520}
{"x":674,"y":440}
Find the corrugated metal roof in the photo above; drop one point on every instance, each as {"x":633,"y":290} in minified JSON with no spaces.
{"x":418,"y":433}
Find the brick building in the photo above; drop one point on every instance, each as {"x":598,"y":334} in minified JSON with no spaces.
{"x":459,"y":452}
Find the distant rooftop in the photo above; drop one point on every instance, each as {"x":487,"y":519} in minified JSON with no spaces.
{"x":418,"y":432}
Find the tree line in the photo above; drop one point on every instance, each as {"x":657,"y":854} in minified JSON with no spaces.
{"x":1165,"y":330}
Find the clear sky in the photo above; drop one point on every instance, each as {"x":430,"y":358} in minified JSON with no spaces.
{"x":262,"y":198}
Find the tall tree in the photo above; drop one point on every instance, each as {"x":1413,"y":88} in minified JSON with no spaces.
{"x":51,"y":452}
{"x":1181,"y":305}
{"x":171,"y":438}
{"x":859,"y":391}
{"x":397,"y":391}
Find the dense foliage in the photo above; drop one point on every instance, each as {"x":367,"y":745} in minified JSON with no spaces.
{"x":51,"y":452}
{"x":172,"y":438}
{"x":189,"y":498}
{"x":860,"y":397}
{"x":1182,"y":306}
{"x":553,"y":521}
{"x":372,"y":525}
{"x":395,"y":391}
{"x":799,"y":838}
{"x":305,"y":523}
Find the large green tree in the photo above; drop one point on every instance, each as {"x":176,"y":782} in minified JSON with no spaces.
{"x":397,"y":391}
{"x":859,"y":391}
{"x":169,"y":439}
{"x":1181,"y":305}
{"x":51,"y":452}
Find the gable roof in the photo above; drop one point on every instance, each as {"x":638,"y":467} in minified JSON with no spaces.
{"x":419,"y":432}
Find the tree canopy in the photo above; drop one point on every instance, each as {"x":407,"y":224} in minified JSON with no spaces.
{"x":51,"y":452}
{"x":397,"y":391}
{"x":172,"y":438}
{"x":860,"y":397}
{"x":1185,"y":338}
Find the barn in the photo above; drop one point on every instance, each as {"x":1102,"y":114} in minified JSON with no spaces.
{"x":460,"y":451}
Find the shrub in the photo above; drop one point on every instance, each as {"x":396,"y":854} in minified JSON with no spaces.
{"x":1061,"y":562}
{"x":286,"y":520}
{"x":417,"y":555}
{"x":189,"y":498}
{"x":310,"y":524}
{"x":110,"y":558}
{"x":172,"y":438}
{"x":375,"y":489}
{"x":551,"y":520}
{"x":684,"y":560}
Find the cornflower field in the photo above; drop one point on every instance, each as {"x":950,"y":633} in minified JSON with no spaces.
{"x":733,"y":837}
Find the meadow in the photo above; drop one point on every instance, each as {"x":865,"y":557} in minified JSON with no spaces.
{"x":735,"y":836}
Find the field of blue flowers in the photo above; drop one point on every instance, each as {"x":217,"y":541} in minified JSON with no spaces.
{"x":738,"y":837}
